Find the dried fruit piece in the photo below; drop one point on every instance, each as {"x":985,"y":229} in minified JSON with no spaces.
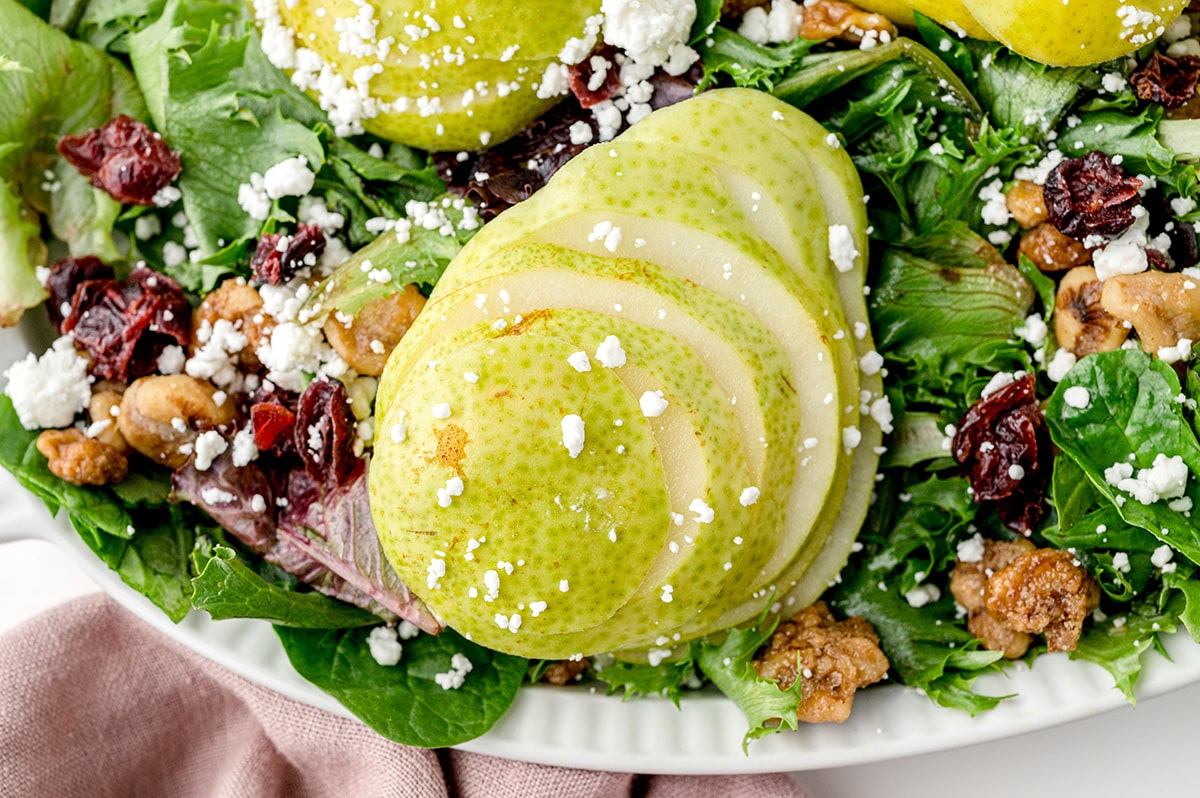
{"x":582,"y":78}
{"x":1003,"y":443}
{"x":1081,"y":323}
{"x":278,"y":256}
{"x":1091,"y":195}
{"x":273,"y":424}
{"x":324,"y":434}
{"x":125,"y":324}
{"x":126,"y":159}
{"x":66,"y":276}
{"x":1170,"y":82}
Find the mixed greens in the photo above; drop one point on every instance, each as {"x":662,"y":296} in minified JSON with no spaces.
{"x":937,"y":125}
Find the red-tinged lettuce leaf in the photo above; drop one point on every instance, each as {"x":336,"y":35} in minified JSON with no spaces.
{"x":333,"y":527}
{"x":225,"y":586}
{"x":404,"y":702}
{"x":227,"y":493}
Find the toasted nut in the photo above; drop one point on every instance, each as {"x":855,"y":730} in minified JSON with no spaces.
{"x":1051,"y":251}
{"x":565,"y":671}
{"x":834,"y":658}
{"x":1044,"y":591}
{"x":968,"y":585}
{"x":81,"y":460}
{"x":833,"y":19}
{"x":161,"y":416}
{"x":1081,"y":323}
{"x":1160,"y":306}
{"x":372,"y":335}
{"x":103,"y":409}
{"x":1027,"y":204}
{"x":238,"y":303}
{"x":732,"y":9}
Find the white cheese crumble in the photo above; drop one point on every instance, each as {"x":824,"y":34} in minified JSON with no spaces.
{"x":384,"y":645}
{"x":610,"y":354}
{"x":921,"y":595}
{"x":1063,"y":361}
{"x":454,"y":487}
{"x":573,"y":435}
{"x":971,"y":549}
{"x":749,"y":496}
{"x":579,"y":361}
{"x":1165,"y":479}
{"x":653,"y":404}
{"x":842,"y":251}
{"x":441,"y":410}
{"x":652,"y":32}
{"x":1162,"y":555}
{"x":454,"y":678}
{"x":704,"y":513}
{"x":49,"y":391}
{"x":1077,"y":397}
{"x":209,"y":446}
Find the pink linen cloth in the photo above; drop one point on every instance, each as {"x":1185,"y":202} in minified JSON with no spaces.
{"x":94,"y":702}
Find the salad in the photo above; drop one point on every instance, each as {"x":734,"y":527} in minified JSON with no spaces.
{"x":279,"y":276}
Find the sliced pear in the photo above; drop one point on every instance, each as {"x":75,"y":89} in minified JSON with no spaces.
{"x":526,"y":502}
{"x":951,"y":13}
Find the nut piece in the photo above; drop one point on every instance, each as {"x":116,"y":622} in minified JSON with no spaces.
{"x":1027,"y":204}
{"x":81,"y":460}
{"x":968,"y":585}
{"x":1044,"y":591}
{"x":238,"y":303}
{"x":836,"y":658}
{"x":567,"y":671}
{"x":1051,"y":251}
{"x":105,"y":406}
{"x":372,"y":335}
{"x":1081,"y":323}
{"x":161,"y":416}
{"x":1160,"y":306}
{"x":833,"y":19}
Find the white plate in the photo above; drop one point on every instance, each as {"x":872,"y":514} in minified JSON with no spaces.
{"x":575,"y":727}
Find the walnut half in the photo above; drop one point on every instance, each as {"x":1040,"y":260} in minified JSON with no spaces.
{"x":81,"y":460}
{"x":835,"y":659}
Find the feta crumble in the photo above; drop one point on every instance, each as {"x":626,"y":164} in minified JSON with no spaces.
{"x":48,"y":392}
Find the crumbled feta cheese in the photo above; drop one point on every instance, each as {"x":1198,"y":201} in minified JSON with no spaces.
{"x":209,"y":446}
{"x":749,"y":496}
{"x":454,"y":487}
{"x":921,"y":595}
{"x":1162,"y":555}
{"x":1063,"y":361}
{"x":290,"y":177}
{"x":653,"y":404}
{"x":610,"y":354}
{"x":1165,"y":479}
{"x":49,"y":391}
{"x":573,"y":435}
{"x":650,"y":31}
{"x":971,"y":549}
{"x":384,"y":645}
{"x":579,"y":361}
{"x":842,"y":251}
{"x":704,"y":513}
{"x":1077,"y":397}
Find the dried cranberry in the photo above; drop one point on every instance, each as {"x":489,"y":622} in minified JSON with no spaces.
{"x":65,"y":277}
{"x":580,"y":77}
{"x":125,"y":324}
{"x":1091,"y":195}
{"x":1170,"y":82}
{"x":277,"y":256}
{"x":124,"y":158}
{"x":273,"y":425}
{"x":324,"y":433}
{"x":1185,"y":248}
{"x":1003,"y":443}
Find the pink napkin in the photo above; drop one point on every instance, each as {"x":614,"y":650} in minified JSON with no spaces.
{"x":94,"y":702}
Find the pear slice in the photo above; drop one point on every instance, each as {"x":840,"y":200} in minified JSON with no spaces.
{"x":528,"y":505}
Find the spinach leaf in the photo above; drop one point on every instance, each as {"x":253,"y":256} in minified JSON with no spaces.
{"x":403,"y":702}
{"x":226,"y":587}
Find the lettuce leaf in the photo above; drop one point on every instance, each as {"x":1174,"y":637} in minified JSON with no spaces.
{"x":51,"y":86}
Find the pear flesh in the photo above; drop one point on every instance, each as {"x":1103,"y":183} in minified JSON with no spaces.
{"x":719,"y":285}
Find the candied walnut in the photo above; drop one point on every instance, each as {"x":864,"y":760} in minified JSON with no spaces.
{"x":238,"y":303}
{"x":1081,"y":323}
{"x":1003,"y":443}
{"x":835,"y":659}
{"x":81,"y":460}
{"x":1091,"y":195}
{"x":1170,"y":82}
{"x":968,"y":585}
{"x":1045,"y":591}
{"x":65,"y":277}
{"x":567,"y":671}
{"x":1160,"y":306}
{"x":126,"y":159}
{"x":278,"y":256}
{"x":597,"y":78}
{"x":1051,"y":251}
{"x":833,"y":19}
{"x":103,"y":409}
{"x":161,"y":416}
{"x":367,"y":340}
{"x":1027,"y":204}
{"x":124,"y":325}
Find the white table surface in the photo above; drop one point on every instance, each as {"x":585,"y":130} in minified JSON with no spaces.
{"x":1149,"y":750}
